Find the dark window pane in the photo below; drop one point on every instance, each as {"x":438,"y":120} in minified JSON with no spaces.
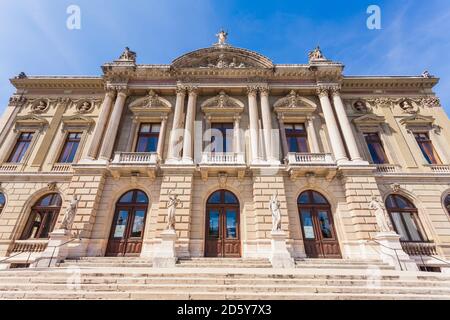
{"x":297,"y":138}
{"x":399,"y":227}
{"x":141,"y":197}
{"x":304,"y":198}
{"x":215,"y":197}
{"x":318,"y":198}
{"x":148,"y":137}
{"x":426,"y":146}
{"x":230,"y":198}
{"x":403,"y":203}
{"x":121,"y":224}
{"x":70,"y":147}
{"x":213,"y":230}
{"x":21,"y":147}
{"x":390,"y":202}
{"x":447,"y":203}
{"x":127,"y":198}
{"x":325,"y":225}
{"x":308,"y":228}
{"x":2,"y":199}
{"x":231,"y":224}
{"x":138,"y":224}
{"x":413,"y":228}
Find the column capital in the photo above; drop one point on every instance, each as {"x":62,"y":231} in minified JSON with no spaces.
{"x":110,"y":93}
{"x":323,"y":91}
{"x":280,"y":116}
{"x":252,"y":91}
{"x":180,"y":90}
{"x":335,"y":90}
{"x":192,"y":90}
{"x":264,"y":91}
{"x":164,"y":117}
{"x":237,"y":118}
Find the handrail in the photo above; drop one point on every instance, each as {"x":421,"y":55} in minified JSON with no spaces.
{"x":395,"y":250}
{"x":54,"y":248}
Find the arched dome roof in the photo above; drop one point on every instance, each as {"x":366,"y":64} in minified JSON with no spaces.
{"x":222,"y":56}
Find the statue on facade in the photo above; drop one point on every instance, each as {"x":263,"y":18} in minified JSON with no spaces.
{"x":316,"y":54}
{"x":407,"y":106}
{"x":383,"y":221}
{"x":171,"y":210}
{"x":274,"y":206}
{"x":222,"y":37}
{"x":128,"y":55}
{"x":426,"y":74}
{"x":69,"y":215}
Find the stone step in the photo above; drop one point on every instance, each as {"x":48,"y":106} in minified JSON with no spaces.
{"x":86,"y":264}
{"x":240,"y":288}
{"x":48,"y":295}
{"x":218,"y":282}
{"x":339,"y":261}
{"x":215,"y":273}
{"x":342,"y":266}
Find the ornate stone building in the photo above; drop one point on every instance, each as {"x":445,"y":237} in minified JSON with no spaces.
{"x":225,"y":129}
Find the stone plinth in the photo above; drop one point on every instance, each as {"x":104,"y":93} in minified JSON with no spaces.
{"x":165,"y":255}
{"x":280,"y":256}
{"x":391,"y":251}
{"x":56,"y":251}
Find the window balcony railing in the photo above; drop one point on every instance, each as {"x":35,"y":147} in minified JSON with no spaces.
{"x":439,"y":168}
{"x":34,"y":245}
{"x":9,"y":167}
{"x":310,"y":158}
{"x":387,"y":168}
{"x":137,"y":158}
{"x":419,"y":248}
{"x":223,"y":158}
{"x":62,"y":167}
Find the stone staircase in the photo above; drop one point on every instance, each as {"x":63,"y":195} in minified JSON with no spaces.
{"x":204,"y":278}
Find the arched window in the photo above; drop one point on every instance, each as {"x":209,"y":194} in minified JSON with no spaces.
{"x":2,"y":201}
{"x":405,"y":218}
{"x":222,"y":237}
{"x":43,"y":217}
{"x":127,"y":229}
{"x":319,"y":234}
{"x":447,"y":203}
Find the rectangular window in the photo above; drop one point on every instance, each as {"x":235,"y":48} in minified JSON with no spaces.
{"x":426,"y":146}
{"x":376,"y":148}
{"x":70,"y":147}
{"x":297,"y":138}
{"x":21,"y":147}
{"x":221,"y":137}
{"x":148,"y":137}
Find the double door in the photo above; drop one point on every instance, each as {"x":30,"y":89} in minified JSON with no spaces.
{"x":222,"y":232}
{"x":319,"y":234}
{"x":127,"y":231}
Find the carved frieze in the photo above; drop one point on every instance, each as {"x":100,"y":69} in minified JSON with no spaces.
{"x":222,"y":104}
{"x":294,"y":103}
{"x":152,"y":103}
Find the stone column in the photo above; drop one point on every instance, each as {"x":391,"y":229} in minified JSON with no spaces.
{"x":284,"y":142}
{"x":253,"y":115}
{"x":188,"y":140}
{"x":267,"y":124}
{"x":237,"y":135}
{"x":113,"y":126}
{"x":313,"y":135}
{"x":101,"y":124}
{"x":172,"y":155}
{"x":345,"y":125}
{"x":333,"y":130}
{"x":132,"y":134}
{"x":162,"y":137}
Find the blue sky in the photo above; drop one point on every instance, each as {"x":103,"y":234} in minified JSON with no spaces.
{"x":415,"y":34}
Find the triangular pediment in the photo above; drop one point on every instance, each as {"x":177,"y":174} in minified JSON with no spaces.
{"x":222,"y":57}
{"x":31,"y":119}
{"x":294,"y":103}
{"x":369,"y":119}
{"x":77,"y":120}
{"x":151,"y":103}
{"x":417,"y":119}
{"x":222,"y":103}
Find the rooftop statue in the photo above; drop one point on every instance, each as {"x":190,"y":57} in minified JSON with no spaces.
{"x":316,"y":54}
{"x":222,"y":37}
{"x":128,"y":55}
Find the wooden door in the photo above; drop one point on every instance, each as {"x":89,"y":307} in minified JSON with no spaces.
{"x":222,"y":232}
{"x":127,"y":229}
{"x":319,"y":235}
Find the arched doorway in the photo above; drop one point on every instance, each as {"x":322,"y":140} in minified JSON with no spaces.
{"x":222,"y":234}
{"x":447,"y":203}
{"x":43,"y":217}
{"x":405,"y":218}
{"x":127,"y":230}
{"x":319,"y":234}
